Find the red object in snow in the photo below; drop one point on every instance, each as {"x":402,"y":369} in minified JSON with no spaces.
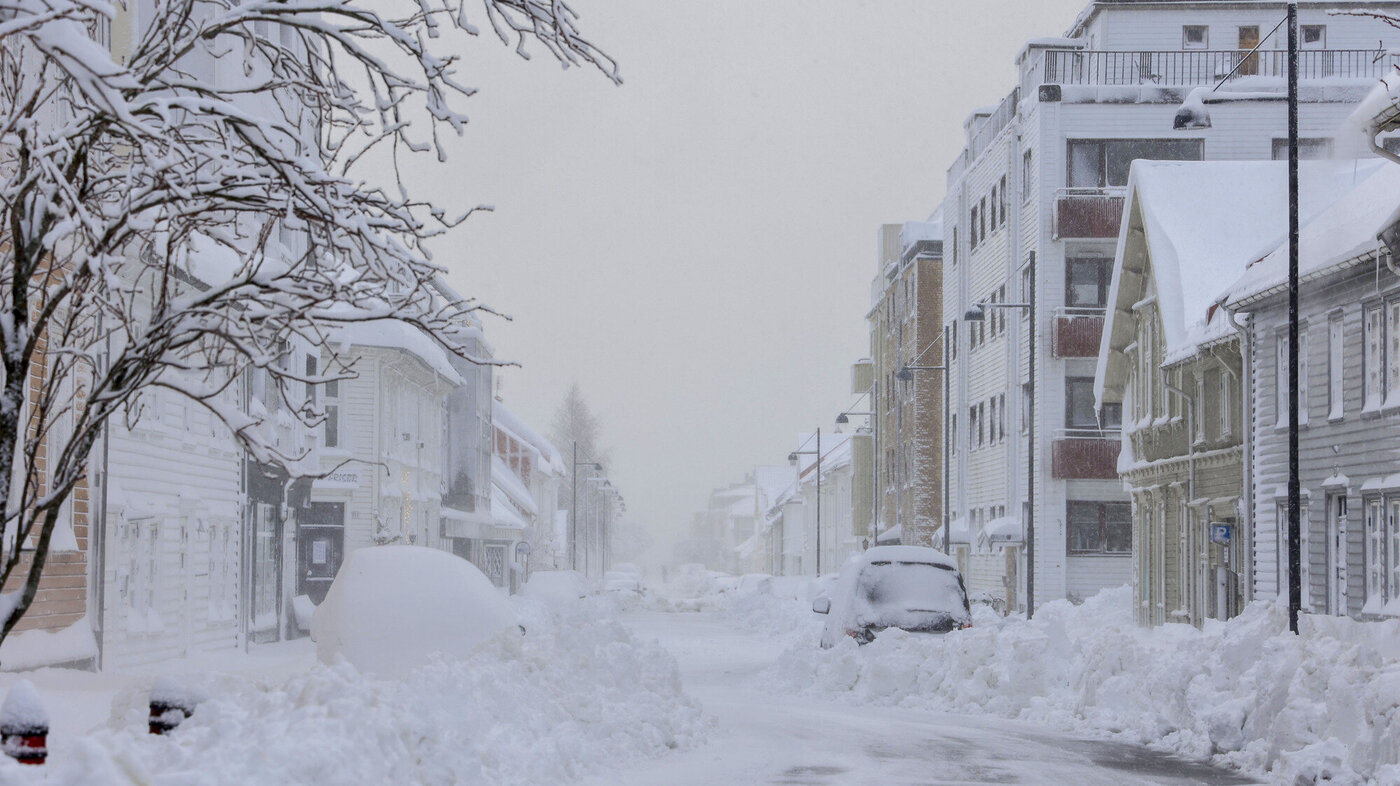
{"x":25,"y":744}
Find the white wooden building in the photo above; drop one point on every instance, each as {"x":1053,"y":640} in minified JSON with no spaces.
{"x":1041,"y":177}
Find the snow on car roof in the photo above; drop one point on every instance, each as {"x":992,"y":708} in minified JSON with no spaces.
{"x":909,"y":554}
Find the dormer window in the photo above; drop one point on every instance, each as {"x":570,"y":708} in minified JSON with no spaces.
{"x":1194,"y":37}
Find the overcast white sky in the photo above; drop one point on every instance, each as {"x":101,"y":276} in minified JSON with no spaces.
{"x":695,"y":248}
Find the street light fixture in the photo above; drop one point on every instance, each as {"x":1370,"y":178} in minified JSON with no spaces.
{"x":1295,"y":586}
{"x":978,"y":313}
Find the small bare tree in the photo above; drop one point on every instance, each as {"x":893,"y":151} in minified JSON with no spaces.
{"x":178,"y":214}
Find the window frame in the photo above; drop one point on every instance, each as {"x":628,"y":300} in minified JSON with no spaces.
{"x":1186,"y":31}
{"x":1101,"y":509}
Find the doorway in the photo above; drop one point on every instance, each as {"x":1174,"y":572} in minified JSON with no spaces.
{"x":320,"y":548}
{"x":1249,"y":38}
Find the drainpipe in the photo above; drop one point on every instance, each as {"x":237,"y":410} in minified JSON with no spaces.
{"x":1246,"y":440}
{"x":1190,"y":472}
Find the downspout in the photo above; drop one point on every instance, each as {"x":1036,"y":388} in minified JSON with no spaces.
{"x":1190,"y":483}
{"x":1247,"y":442}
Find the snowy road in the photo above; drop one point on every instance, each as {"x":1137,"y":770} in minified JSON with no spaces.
{"x":762,"y":737}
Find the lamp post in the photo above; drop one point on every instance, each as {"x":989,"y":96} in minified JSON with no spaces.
{"x":573,"y":506}
{"x":792,"y":459}
{"x":978,"y":313}
{"x":1195,"y":115}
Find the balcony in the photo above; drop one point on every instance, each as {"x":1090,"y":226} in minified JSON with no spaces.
{"x":1077,"y":332}
{"x":1085,"y":454}
{"x":1206,"y":67}
{"x":1087,"y":213}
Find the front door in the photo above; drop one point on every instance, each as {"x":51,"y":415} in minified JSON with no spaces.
{"x":1249,"y":38}
{"x":320,"y":548}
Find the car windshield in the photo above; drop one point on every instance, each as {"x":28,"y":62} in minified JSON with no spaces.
{"x":912,"y":586}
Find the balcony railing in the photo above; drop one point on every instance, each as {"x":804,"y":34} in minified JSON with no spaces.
{"x":1087,"y":213}
{"x":1077,"y":332}
{"x":1085,"y":454}
{"x":1203,"y":67}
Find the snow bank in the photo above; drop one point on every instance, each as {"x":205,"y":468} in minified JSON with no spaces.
{"x":1246,"y":693}
{"x":574,"y":696}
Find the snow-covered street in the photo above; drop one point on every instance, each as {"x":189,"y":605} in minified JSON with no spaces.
{"x":768,"y":736}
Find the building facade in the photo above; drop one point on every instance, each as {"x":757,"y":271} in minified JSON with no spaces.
{"x":906,"y":323}
{"x":1033,"y":209}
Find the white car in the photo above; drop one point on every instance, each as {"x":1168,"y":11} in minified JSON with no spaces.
{"x":908,"y":587}
{"x":622,"y":581}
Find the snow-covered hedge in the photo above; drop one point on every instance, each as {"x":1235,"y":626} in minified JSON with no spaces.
{"x":575,"y":695}
{"x":1299,"y":709}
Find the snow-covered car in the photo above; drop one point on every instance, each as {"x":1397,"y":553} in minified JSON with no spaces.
{"x":623,"y":581}
{"x":909,"y":587}
{"x":391,"y":608}
{"x":556,"y":586}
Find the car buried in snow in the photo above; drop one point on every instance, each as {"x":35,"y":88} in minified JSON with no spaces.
{"x":908,"y":587}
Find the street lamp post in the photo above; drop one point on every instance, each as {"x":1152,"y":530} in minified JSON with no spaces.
{"x":573,"y":506}
{"x":792,"y":459}
{"x":978,"y":313}
{"x":1194,"y":115}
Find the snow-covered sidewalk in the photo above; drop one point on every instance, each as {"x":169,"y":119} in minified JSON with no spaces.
{"x":575,"y":695}
{"x":1318,"y":707}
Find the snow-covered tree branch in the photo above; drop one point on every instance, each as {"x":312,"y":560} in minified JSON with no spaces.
{"x":180,"y":204}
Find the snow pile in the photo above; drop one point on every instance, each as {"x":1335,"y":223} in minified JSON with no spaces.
{"x":761,"y":610}
{"x":391,"y":607}
{"x":575,"y":695}
{"x":22,"y":709}
{"x":1322,"y":705}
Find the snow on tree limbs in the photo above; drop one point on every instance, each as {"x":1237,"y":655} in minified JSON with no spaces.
{"x":176,"y":219}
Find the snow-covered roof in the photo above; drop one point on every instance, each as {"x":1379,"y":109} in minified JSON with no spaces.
{"x":502,"y":417}
{"x":1194,"y":225}
{"x":505,"y":479}
{"x":1004,"y":529}
{"x":393,"y":334}
{"x":1343,"y":231}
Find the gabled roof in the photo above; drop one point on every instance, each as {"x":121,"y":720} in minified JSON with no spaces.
{"x":1189,"y":229}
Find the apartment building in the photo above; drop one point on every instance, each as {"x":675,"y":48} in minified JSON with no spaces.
{"x":1032,"y":215}
{"x":905,"y":391}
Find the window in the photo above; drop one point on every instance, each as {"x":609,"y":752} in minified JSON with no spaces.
{"x":1026,"y":171}
{"x":1099,"y":527}
{"x":1312,"y":36}
{"x":1374,"y":360}
{"x":972,"y":427}
{"x":982,"y":219}
{"x":1079,"y":406}
{"x":1227,"y":405}
{"x":953,"y":432}
{"x":1281,"y":377}
{"x":1335,"y":343}
{"x":1375,"y":554}
{"x":981,"y":423}
{"x":331,"y":428}
{"x":1194,"y":37}
{"x":1001,"y":420}
{"x":972,"y":229}
{"x":1086,"y":282}
{"x":1392,"y":353}
{"x":993,"y":202}
{"x":1308,"y":149}
{"x":1001,"y":206}
{"x":992,"y":421}
{"x":1098,"y":163}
